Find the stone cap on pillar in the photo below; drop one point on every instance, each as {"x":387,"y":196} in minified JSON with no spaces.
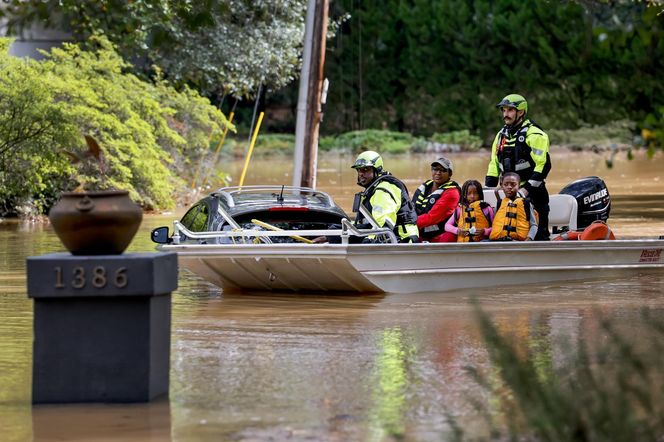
{"x":58,"y":275}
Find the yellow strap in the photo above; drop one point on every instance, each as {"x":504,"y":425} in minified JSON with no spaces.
{"x":271,"y":227}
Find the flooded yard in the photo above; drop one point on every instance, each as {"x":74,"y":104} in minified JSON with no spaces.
{"x":303,"y":367}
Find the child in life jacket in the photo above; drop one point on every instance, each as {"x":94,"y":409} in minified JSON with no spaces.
{"x":472,"y":219}
{"x":515,"y":218}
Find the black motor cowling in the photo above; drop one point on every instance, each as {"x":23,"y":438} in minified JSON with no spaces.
{"x":593,"y":200}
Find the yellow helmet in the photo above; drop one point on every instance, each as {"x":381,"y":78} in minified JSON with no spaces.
{"x":369,"y":158}
{"x":515,"y":101}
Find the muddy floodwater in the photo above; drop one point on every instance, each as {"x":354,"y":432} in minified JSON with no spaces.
{"x":310,"y":367}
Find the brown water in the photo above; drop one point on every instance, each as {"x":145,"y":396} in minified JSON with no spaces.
{"x":259,"y":366}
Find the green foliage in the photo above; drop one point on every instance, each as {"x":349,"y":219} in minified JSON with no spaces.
{"x":462,"y":138}
{"x":610,"y":393}
{"x":424,"y":67}
{"x":31,"y":126}
{"x":600,"y":137}
{"x":327,"y":143}
{"x":247,"y":44}
{"x":282,"y":143}
{"x":151,"y":135}
{"x":382,"y":141}
{"x":266,"y":144}
{"x":358,"y":141}
{"x":225,"y":47}
{"x":652,"y":132}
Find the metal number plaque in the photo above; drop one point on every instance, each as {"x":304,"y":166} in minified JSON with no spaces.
{"x":97,"y":276}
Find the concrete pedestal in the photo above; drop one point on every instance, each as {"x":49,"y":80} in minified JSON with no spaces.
{"x":102,"y":326}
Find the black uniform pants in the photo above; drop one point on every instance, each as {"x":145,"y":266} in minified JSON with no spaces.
{"x":539,"y":197}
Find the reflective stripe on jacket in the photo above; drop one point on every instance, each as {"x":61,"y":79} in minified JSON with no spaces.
{"x":425,"y":199}
{"x":388,"y":202}
{"x":524,"y":151}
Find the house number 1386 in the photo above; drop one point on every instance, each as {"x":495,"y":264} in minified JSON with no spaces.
{"x":98,"y":277}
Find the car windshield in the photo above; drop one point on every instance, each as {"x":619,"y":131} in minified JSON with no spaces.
{"x":246,"y":197}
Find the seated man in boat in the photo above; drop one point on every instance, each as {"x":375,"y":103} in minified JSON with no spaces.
{"x":515,"y":218}
{"x":435,"y":201}
{"x":385,"y":197}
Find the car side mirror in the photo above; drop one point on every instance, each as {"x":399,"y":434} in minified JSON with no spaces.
{"x":160,"y":235}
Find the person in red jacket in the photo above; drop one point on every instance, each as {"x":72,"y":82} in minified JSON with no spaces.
{"x":435,"y":201}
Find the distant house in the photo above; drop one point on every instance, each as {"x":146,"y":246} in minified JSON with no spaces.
{"x":31,"y":40}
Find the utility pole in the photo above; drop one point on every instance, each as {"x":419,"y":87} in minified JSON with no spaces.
{"x":311,"y":94}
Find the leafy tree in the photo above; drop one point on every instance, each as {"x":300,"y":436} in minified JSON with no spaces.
{"x":218,"y":46}
{"x":31,"y":171}
{"x":152,"y":135}
{"x":427,"y":67}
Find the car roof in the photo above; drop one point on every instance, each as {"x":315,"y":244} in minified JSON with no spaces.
{"x":240,"y":199}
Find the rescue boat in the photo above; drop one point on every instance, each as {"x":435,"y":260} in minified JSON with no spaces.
{"x":259,"y":238}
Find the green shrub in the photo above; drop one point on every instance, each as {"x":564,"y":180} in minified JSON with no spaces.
{"x":266,"y":144}
{"x":327,"y":143}
{"x":652,"y":132}
{"x":382,"y":141}
{"x":420,"y":145}
{"x":32,"y":127}
{"x":608,"y":391}
{"x":603,"y":137}
{"x":275,"y":143}
{"x":153,"y":137}
{"x":463,"y":138}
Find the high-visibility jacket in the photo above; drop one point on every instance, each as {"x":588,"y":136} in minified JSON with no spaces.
{"x":512,"y":220}
{"x":524,"y":150}
{"x":388,"y":202}
{"x":471,"y":216}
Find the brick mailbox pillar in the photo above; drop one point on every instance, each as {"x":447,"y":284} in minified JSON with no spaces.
{"x":102,"y":326}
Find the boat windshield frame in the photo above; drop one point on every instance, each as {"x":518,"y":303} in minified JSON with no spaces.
{"x":246,"y":236}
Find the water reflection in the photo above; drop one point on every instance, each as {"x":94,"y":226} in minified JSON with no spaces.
{"x":392,"y":382}
{"x":136,"y":422}
{"x":304,"y":367}
{"x":262,"y":366}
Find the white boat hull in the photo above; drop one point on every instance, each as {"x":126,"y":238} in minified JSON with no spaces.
{"x":411,"y":268}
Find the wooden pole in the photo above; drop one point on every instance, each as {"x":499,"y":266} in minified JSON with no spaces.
{"x":311,"y":88}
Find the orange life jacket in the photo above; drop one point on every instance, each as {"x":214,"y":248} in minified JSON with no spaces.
{"x":472,"y":216}
{"x":512,"y":220}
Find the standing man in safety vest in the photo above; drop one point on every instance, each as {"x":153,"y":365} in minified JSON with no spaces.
{"x":522,"y":147}
{"x":385,"y":198}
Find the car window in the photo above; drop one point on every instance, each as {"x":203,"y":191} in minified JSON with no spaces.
{"x":200,"y":222}
{"x":189,"y":217}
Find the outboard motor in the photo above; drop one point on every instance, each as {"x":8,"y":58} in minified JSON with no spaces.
{"x":593,"y":200}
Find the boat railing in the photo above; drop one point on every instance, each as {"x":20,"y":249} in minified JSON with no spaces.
{"x":247,"y":235}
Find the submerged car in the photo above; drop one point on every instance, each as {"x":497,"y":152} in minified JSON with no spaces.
{"x":257,"y":208}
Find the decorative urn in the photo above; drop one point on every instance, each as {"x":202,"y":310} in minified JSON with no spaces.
{"x":96,"y":223}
